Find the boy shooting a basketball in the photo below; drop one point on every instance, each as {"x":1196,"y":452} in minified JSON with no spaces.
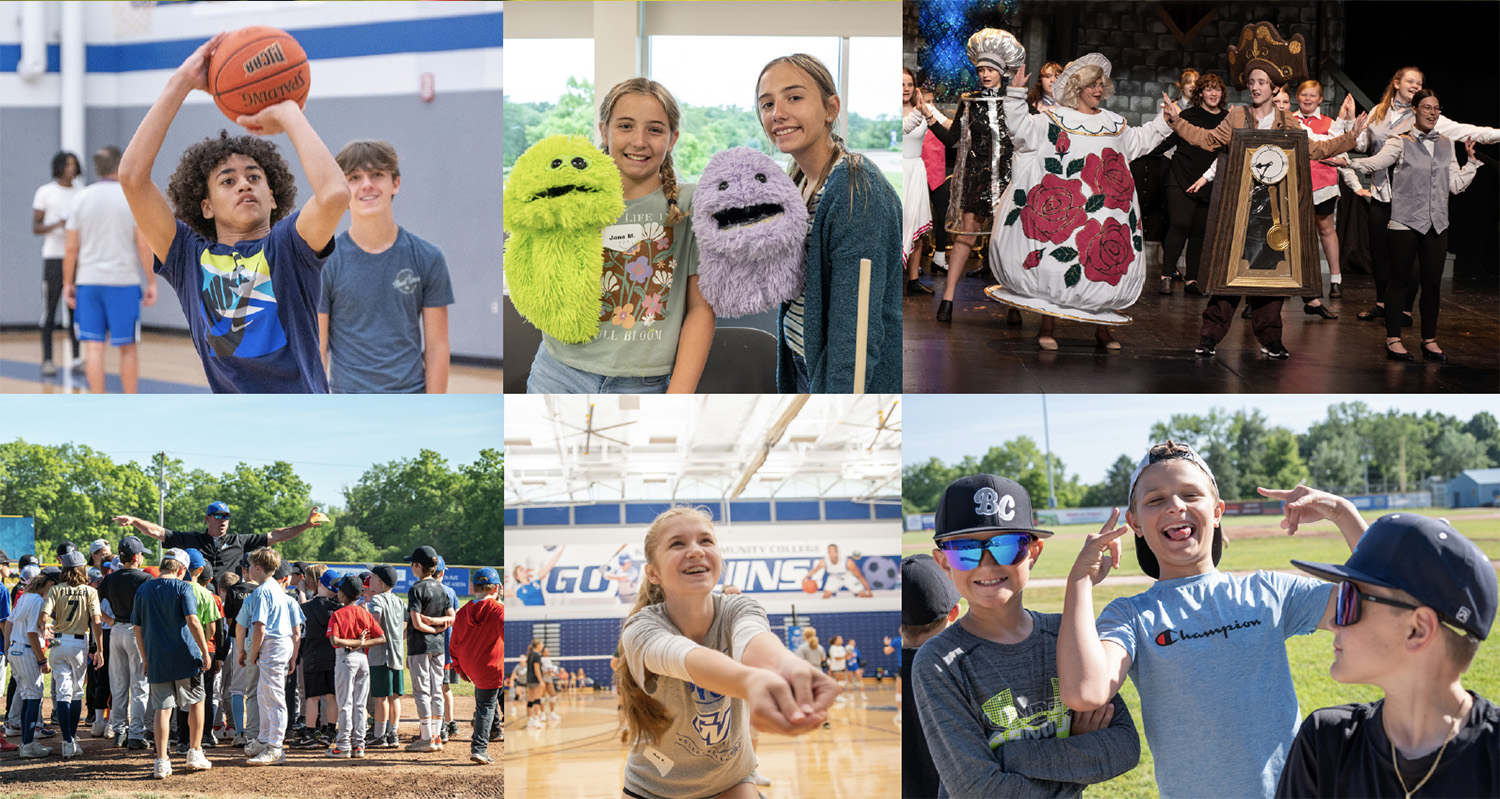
{"x":245,"y":264}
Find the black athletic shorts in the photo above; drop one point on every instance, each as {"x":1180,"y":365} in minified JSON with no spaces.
{"x":317,"y":683}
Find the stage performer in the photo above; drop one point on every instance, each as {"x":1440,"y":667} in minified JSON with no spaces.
{"x":983,"y":139}
{"x":1265,"y":312}
{"x":1393,"y":116}
{"x":1423,"y":173}
{"x":1187,"y":204}
{"x":916,"y":205}
{"x":1067,"y":240}
{"x":1324,"y":178}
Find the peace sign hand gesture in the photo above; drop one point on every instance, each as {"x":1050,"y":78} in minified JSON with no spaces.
{"x":1101,"y":552}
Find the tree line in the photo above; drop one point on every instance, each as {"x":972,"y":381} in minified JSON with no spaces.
{"x":73,"y":492}
{"x":704,"y":130}
{"x":1352,"y":448}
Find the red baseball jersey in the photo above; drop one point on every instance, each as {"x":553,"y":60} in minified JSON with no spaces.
{"x":350,"y":620}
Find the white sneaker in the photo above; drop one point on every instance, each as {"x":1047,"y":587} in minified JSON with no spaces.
{"x":841,"y":698}
{"x":100,"y":728}
{"x":70,"y":749}
{"x":163,"y":769}
{"x":197,"y":762}
{"x":12,"y":732}
{"x":897,"y":719}
{"x":239,"y":740}
{"x":269,"y":757}
{"x":254,"y":748}
{"x":759,"y":778}
{"x":36,"y":750}
{"x":554,"y":716}
{"x":424,"y":745}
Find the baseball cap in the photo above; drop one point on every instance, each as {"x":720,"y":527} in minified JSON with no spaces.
{"x":114,"y":564}
{"x":298,"y":567}
{"x":283,"y":571}
{"x":427,"y":556}
{"x":1143,"y":554}
{"x":216,"y":507}
{"x":65,"y":547}
{"x":348,"y":585}
{"x":331,"y":579}
{"x":71,"y":558}
{"x":442,"y":565}
{"x":98,"y":544}
{"x":131,"y":546}
{"x":387,"y":573}
{"x":4,"y":558}
{"x":95,"y":575}
{"x":29,"y":572}
{"x":926,"y":593}
{"x":175,"y":554}
{"x":195,"y":560}
{"x":486,"y":576}
{"x":53,"y":572}
{"x":1428,"y":559}
{"x":984,"y":503}
{"x":28,"y":560}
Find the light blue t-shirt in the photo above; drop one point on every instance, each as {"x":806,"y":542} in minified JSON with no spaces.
{"x":270,"y":605}
{"x":1208,"y":656}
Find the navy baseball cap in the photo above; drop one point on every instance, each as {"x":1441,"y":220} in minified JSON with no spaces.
{"x":350,"y":586}
{"x":330,"y":579}
{"x":926,"y":593}
{"x":53,"y":572}
{"x":486,"y":576}
{"x":427,"y":556}
{"x":984,"y":503}
{"x":195,"y":560}
{"x":27,"y":560}
{"x":71,"y":558}
{"x":66,"y":547}
{"x":131,"y":546}
{"x":283,"y":571}
{"x":216,"y":507}
{"x":1428,"y":559}
{"x":387,"y":573}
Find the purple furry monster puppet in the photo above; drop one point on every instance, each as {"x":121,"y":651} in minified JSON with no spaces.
{"x":751,"y":225}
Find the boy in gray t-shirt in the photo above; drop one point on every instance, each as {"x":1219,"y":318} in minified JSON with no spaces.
{"x":986,"y":688}
{"x":707,"y":749}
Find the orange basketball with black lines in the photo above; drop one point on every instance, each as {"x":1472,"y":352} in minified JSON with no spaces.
{"x":256,"y":67}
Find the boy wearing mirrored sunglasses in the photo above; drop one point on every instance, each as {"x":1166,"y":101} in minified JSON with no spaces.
{"x":1206,"y":649}
{"x":1410,"y":609}
{"x":986,"y":687}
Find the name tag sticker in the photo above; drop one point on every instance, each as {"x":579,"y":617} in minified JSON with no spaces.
{"x":663,"y":763}
{"x":621,"y":238}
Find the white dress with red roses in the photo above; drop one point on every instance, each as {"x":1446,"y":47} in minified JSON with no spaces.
{"x":1067,"y":236}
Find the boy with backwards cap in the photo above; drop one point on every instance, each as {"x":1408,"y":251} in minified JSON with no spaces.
{"x":1196,"y":630}
{"x":987,"y":687}
{"x":479,"y":650}
{"x":1411,"y":606}
{"x":351,"y":632}
{"x":928,"y":605}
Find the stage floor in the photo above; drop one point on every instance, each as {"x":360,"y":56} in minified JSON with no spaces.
{"x":979,"y":353}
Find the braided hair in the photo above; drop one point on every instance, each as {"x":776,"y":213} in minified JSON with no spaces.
{"x":668,"y":172}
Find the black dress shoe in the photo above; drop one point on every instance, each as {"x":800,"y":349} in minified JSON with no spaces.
{"x":979,"y":272}
{"x":1433,"y":355}
{"x":1375,"y":313}
{"x":1392,"y":355}
{"x":1192,"y":287}
{"x":945,"y":311}
{"x":1245,"y":314}
{"x":1275,"y":350}
{"x":1319,"y":310}
{"x":1166,"y":285}
{"x":1205,"y":347}
{"x":937,"y":268}
{"x":915,"y":286}
{"x":1335,"y":291}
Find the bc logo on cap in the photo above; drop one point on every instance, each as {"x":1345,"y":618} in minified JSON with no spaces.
{"x":988,"y":502}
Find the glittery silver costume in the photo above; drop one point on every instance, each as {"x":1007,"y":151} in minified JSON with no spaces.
{"x":981,"y":170}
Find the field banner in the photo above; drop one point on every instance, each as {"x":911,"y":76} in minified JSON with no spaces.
{"x":18,"y":536}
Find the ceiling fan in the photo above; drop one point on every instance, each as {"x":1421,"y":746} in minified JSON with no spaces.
{"x":589,"y":431}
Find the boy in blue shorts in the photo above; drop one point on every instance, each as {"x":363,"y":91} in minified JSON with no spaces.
{"x":1205,"y":649}
{"x":986,"y":688}
{"x":242,"y":259}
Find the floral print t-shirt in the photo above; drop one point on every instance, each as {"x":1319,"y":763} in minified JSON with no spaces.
{"x":643,"y":294}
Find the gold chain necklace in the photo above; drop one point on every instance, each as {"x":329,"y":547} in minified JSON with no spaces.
{"x":1395,"y":765}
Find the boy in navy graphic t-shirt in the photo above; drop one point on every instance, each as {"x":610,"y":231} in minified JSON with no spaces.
{"x":243,"y":261}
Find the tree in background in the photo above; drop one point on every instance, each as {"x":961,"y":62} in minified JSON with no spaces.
{"x":1115,"y":490}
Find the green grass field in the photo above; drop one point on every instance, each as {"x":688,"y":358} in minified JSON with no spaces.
{"x":1254,"y":543}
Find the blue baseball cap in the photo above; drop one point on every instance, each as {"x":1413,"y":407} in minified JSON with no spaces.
{"x":1428,"y":559}
{"x":216,"y":507}
{"x":195,"y":560}
{"x":441,"y":564}
{"x":330,"y":580}
{"x":486,"y":576}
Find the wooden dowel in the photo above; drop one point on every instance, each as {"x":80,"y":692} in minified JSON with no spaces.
{"x":862,"y":329}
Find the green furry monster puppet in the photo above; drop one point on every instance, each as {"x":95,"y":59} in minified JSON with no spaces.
{"x":561,"y":194}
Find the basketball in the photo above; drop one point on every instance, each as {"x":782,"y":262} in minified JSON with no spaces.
{"x":256,"y":67}
{"x":809,"y":585}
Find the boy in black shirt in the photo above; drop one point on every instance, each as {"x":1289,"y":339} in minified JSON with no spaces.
{"x":428,"y":614}
{"x":317,"y":659}
{"x":1412,"y":604}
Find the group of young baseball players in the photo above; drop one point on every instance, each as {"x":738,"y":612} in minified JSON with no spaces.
{"x":165,"y":641}
{"x":1014,"y":702}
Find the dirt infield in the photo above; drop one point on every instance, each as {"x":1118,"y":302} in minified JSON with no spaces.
{"x":106,"y":771}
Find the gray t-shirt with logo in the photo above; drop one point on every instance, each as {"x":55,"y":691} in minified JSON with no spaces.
{"x":707,"y":749}
{"x":374,"y":303}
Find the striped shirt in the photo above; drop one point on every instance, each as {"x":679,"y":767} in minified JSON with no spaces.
{"x":792,"y":325}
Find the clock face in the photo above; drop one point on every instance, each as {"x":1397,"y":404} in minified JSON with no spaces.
{"x":1268,"y":164}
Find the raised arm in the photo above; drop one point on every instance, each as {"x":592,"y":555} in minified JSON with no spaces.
{"x":1201,"y":137}
{"x":149,"y":529}
{"x":319,"y":219}
{"x":1321,"y":146}
{"x":1089,"y":670}
{"x":1460,"y":178}
{"x":152,"y":212}
{"x":1389,"y":156}
{"x":1458,"y":130}
{"x":287,"y":533}
{"x":1026,"y":129}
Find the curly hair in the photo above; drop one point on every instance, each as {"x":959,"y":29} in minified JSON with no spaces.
{"x":1083,"y":78}
{"x":189,"y":185}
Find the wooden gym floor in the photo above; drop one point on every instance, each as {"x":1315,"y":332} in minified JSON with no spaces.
{"x":169,"y":365}
{"x":979,"y":353}
{"x":581,"y":756}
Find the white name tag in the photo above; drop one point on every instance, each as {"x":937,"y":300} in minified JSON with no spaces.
{"x":621,"y":238}
{"x":663,"y":763}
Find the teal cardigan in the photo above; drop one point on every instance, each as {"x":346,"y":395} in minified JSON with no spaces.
{"x":846,"y":229}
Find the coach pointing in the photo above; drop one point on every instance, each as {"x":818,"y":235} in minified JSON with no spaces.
{"x":223,"y":550}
